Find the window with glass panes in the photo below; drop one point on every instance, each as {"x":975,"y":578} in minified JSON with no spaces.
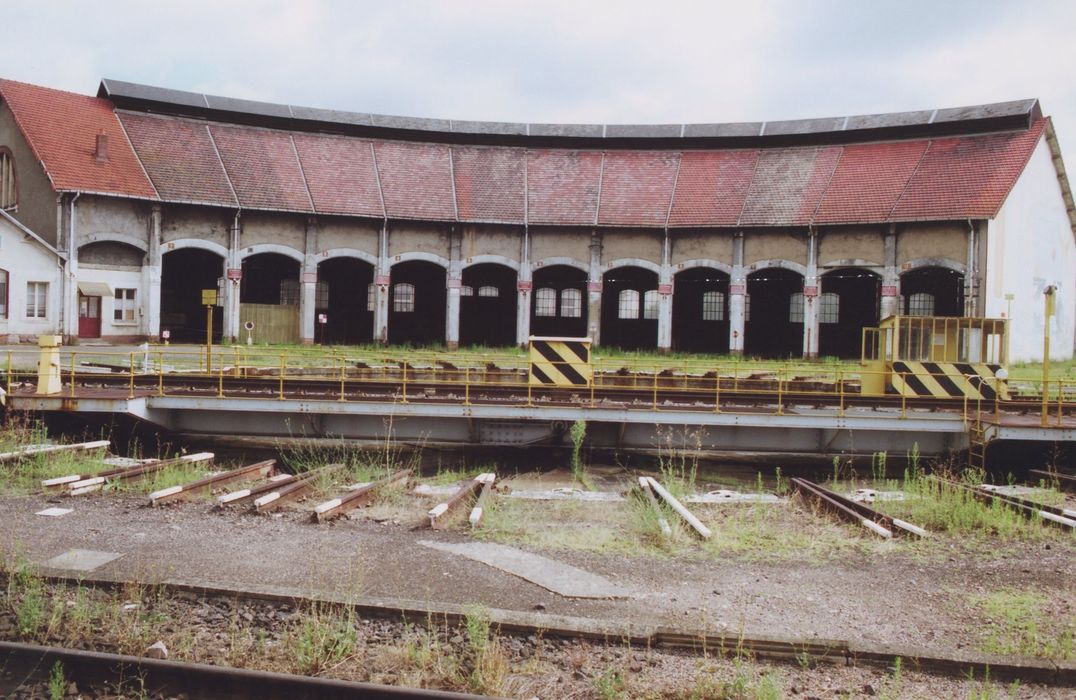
{"x":713,"y":306}
{"x":921,"y":304}
{"x":628,"y":304}
{"x":37,"y":294}
{"x":795,"y":308}
{"x":829,"y":308}
{"x":488,"y":291}
{"x":650,"y":304}
{"x":403,"y":297}
{"x":571,"y":303}
{"x":8,"y":195}
{"x":289,"y":292}
{"x":545,"y":302}
{"x":123,"y":306}
{"x":3,"y":293}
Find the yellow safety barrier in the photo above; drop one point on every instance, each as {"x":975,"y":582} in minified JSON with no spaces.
{"x":974,"y":380}
{"x":560,"y":362}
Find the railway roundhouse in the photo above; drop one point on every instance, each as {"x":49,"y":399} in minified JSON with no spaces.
{"x":771,"y":239}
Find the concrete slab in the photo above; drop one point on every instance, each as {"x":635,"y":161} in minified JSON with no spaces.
{"x":562,"y":579}
{"x":54,"y":512}
{"x":81,"y":560}
{"x":566,"y":494}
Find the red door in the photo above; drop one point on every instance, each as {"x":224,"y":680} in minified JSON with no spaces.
{"x":89,"y":317}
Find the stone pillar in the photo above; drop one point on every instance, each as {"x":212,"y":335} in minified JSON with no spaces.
{"x":308,"y":285}
{"x":665,"y":296}
{"x":382,"y":280}
{"x":524,"y":289}
{"x":811,"y":284}
{"x":151,"y":278}
{"x":737,"y":293}
{"x":890,"y":305}
{"x":455,"y":281}
{"x":70,"y":282}
{"x":233,"y":274}
{"x":971,"y":273}
{"x":594,"y":289}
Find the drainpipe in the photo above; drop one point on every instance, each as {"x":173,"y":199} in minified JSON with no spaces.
{"x":971,"y":276}
{"x":233,"y":282}
{"x":69,"y":284}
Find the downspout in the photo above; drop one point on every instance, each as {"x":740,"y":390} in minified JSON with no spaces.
{"x":972,"y":273}
{"x":66,"y":278}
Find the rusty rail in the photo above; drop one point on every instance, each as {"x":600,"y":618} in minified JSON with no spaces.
{"x":1063,"y":482}
{"x":258,"y":470}
{"x":856,"y":513}
{"x":361,"y":496}
{"x":1048,"y":514}
{"x":439,"y":513}
{"x":274,"y":499}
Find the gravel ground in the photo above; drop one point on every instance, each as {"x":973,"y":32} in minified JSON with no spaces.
{"x":917,"y":595}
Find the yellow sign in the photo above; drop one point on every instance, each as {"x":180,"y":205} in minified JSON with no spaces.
{"x":209,"y":297}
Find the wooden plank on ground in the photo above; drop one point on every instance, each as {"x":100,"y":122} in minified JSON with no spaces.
{"x":274,"y":499}
{"x":339,"y":506}
{"x":34,"y":450}
{"x":258,"y":470}
{"x":679,"y":507}
{"x":479,"y":509}
{"x":644,"y":486}
{"x":439,"y":513}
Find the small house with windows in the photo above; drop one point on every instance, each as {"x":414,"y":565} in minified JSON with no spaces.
{"x":30,"y":275}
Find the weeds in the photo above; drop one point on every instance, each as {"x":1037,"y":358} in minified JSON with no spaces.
{"x":57,"y":686}
{"x":324,"y":638}
{"x":679,"y":463}
{"x":491,"y":663}
{"x":1017,"y":624}
{"x":579,"y":469}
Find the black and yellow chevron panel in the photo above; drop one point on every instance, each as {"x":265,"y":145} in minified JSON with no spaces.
{"x":560,"y":362}
{"x":974,"y":380}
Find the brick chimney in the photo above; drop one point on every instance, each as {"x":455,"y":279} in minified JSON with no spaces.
{"x":100,"y":151}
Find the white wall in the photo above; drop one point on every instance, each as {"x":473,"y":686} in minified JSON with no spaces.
{"x":26,"y":260}
{"x":116,"y":279}
{"x":1031,"y":246}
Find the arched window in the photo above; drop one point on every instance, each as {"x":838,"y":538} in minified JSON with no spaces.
{"x":321,"y":295}
{"x":829,"y":308}
{"x":795,"y":308}
{"x":650,"y":304}
{"x":3,"y":293}
{"x":488,"y":291}
{"x":403,"y":297}
{"x":371,"y":297}
{"x":545,"y":302}
{"x":289,"y":292}
{"x":628,"y":304}
{"x":571,"y":303}
{"x":713,"y":306}
{"x":9,"y":197}
{"x":466,"y":291}
{"x":921,"y":304}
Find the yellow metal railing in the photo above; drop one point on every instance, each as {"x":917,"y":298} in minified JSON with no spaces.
{"x":652,"y":384}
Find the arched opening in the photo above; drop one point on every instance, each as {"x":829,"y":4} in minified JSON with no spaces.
{"x":345,"y":296}
{"x":184,"y":274}
{"x":850,"y":302}
{"x":700,"y":321}
{"x":488,"y":304}
{"x":417,"y":303}
{"x":559,"y":302}
{"x":269,"y":297}
{"x":773,"y":318}
{"x":932,"y":291}
{"x":630,"y":308}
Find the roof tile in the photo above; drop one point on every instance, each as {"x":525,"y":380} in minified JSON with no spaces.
{"x":416,"y":179}
{"x":787,"y":186}
{"x":489,"y":183}
{"x":637,"y":187}
{"x":340,"y":173}
{"x":262,"y":167}
{"x":868,"y":181}
{"x":712,"y":187}
{"x":62,"y":128}
{"x":562,"y":186}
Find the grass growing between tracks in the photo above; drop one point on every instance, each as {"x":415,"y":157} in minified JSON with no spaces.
{"x":1016,"y":622}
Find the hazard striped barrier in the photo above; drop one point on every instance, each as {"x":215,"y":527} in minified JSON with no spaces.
{"x":949,"y":380}
{"x":560,"y":362}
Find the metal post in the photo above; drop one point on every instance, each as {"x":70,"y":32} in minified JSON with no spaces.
{"x":1048,"y":311}
{"x":281,"y":396}
{"x":403,"y":365}
{"x":467,"y":386}
{"x":130,"y":372}
{"x":343,"y":377}
{"x":160,"y":374}
{"x":72,"y":374}
{"x":780,"y":387}
{"x":840,"y":390}
{"x":209,"y":339}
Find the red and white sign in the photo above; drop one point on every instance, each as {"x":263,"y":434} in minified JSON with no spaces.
{"x":811,"y":291}
{"x":383,"y":280}
{"x":524,"y":285}
{"x":235,"y":273}
{"x":889,"y":290}
{"x":665,"y":289}
{"x":737,"y":289}
{"x":455,"y":283}
{"x":310,"y":277}
{"x":594,"y":287}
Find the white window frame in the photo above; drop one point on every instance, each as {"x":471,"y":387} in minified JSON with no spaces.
{"x":920,"y":304}
{"x":651,"y":304}
{"x":37,"y":299}
{"x":466,"y":291}
{"x":795,"y":308}
{"x":371,"y":297}
{"x":5,"y":291}
{"x":403,"y":298}
{"x":713,"y":305}
{"x":9,"y":193}
{"x":829,"y":308}
{"x":571,"y":303}
{"x":124,"y":307}
{"x":488,"y":291}
{"x":627,"y":305}
{"x":545,"y":302}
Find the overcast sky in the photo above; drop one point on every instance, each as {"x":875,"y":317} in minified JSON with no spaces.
{"x":582,"y":61}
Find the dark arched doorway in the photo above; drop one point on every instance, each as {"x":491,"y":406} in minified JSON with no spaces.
{"x":184,"y":274}
{"x":700,"y":312}
{"x":849,"y":302}
{"x":773,"y":324}
{"x":630,"y":308}
{"x":345,"y":296}
{"x":417,"y":297}
{"x":932,"y":291}
{"x":488,"y":305}
{"x":559,"y":302}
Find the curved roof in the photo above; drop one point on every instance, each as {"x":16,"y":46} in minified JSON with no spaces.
{"x":945,"y":164}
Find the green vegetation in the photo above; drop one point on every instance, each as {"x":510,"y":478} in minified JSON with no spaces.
{"x":1019,"y":623}
{"x":324,"y":637}
{"x":578,"y":434}
{"x":57,"y":683}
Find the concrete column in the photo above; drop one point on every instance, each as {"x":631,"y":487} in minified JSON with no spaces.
{"x":455,"y":281}
{"x":151,"y":278}
{"x":737,"y":292}
{"x":70,"y":281}
{"x":971,"y":274}
{"x":665,"y":296}
{"x":524,"y":289}
{"x":308,"y":281}
{"x":811,"y":291}
{"x":594,"y":289}
{"x":382,"y":279}
{"x":890,"y":305}
{"x":233,"y":275}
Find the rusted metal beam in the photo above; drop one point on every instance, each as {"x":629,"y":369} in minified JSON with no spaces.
{"x":244,"y":495}
{"x":479,"y":510}
{"x":1064,"y":482}
{"x":686,"y":514}
{"x":439,"y":513}
{"x":258,"y":470}
{"x":820,"y":496}
{"x":644,"y":486}
{"x":274,"y":499}
{"x":34,"y":450}
{"x":61,"y":482}
{"x":894,"y":525}
{"x":134,"y":474}
{"x":1048,"y":514}
{"x":339,"y":506}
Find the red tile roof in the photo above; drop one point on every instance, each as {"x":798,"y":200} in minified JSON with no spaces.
{"x":186,"y":160}
{"x":62,"y":128}
{"x":263,"y":167}
{"x":341,"y":175}
{"x":967,"y":177}
{"x":416,"y":179}
{"x":712,"y":187}
{"x":489,"y":183}
{"x":179,"y":157}
{"x":562,"y":186}
{"x":637,"y":187}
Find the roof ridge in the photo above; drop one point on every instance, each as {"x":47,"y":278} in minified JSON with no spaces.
{"x":138,"y":157}
{"x":302,"y":173}
{"x":223,"y":167}
{"x":750,"y":186}
{"x":829,"y":182}
{"x":908,"y":182}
